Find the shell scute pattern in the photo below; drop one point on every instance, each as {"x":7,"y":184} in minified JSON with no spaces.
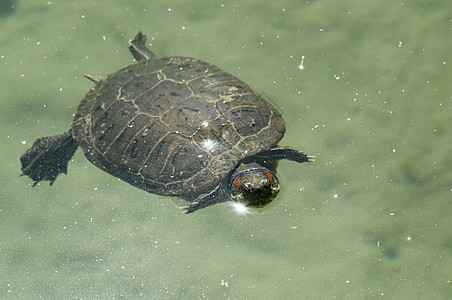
{"x":148,"y":123}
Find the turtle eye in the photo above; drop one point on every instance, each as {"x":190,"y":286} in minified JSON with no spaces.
{"x":237,"y":181}
{"x":269,"y":175}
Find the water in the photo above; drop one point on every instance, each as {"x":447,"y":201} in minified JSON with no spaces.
{"x":370,"y":219}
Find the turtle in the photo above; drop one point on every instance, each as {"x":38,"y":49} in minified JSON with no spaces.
{"x":173,"y":126}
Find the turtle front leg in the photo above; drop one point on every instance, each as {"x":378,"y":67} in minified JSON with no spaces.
{"x":278,"y":153}
{"x":138,"y":48}
{"x":204,"y":200}
{"x":48,"y":157}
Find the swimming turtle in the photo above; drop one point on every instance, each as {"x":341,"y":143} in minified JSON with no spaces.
{"x":174,"y":126}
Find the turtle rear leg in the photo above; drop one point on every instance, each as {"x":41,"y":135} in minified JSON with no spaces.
{"x":48,"y":157}
{"x":138,"y":48}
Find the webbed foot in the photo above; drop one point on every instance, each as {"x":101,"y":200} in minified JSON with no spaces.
{"x":278,"y":153}
{"x":48,"y":157}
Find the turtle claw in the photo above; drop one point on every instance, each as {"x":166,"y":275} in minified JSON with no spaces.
{"x":187,"y":209}
{"x":93,"y":78}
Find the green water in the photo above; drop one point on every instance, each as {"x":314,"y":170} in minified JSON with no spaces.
{"x":370,"y":219}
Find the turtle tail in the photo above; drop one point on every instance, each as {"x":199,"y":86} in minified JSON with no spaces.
{"x":48,"y":157}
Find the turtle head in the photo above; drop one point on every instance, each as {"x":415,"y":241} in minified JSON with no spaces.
{"x":253,"y":186}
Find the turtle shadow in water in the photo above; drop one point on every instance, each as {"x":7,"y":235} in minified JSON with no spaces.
{"x":7,"y":7}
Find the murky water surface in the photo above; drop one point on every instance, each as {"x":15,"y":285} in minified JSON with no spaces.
{"x":364,"y":86}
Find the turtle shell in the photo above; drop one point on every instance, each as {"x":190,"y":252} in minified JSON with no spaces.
{"x":174,"y":125}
